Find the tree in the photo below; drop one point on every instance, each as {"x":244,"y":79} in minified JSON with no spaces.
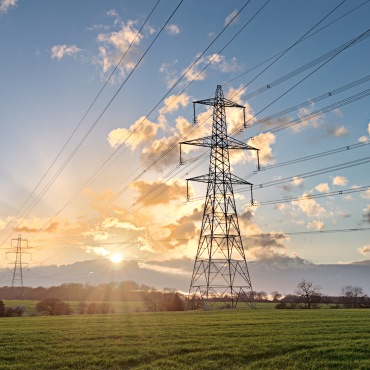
{"x":2,"y":309}
{"x":309,"y":292}
{"x":353,"y":297}
{"x":53,"y":307}
{"x":260,"y":296}
{"x":276,"y":296}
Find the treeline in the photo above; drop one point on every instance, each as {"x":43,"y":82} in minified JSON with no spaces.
{"x":11,"y":311}
{"x":308,"y":295}
{"x":122,"y":291}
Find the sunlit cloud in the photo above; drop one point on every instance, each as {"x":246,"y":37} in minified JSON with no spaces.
{"x":141,"y":131}
{"x":366,"y":215}
{"x":115,"y":44}
{"x":365,"y":250}
{"x":60,"y":51}
{"x":366,"y":194}
{"x":111,"y":222}
{"x":309,"y":206}
{"x":313,"y":122}
{"x":297,"y":180}
{"x":159,"y":191}
{"x":257,"y":243}
{"x":114,"y":14}
{"x":100,"y":251}
{"x":5,"y":5}
{"x":231,"y":16}
{"x":340,"y":131}
{"x":26,"y":229}
{"x":173,"y":103}
{"x":323,"y":188}
{"x":340,"y":181}
{"x":316,"y":225}
{"x":344,"y":214}
{"x":173,"y":29}
{"x":263,"y":142}
{"x":197,"y":72}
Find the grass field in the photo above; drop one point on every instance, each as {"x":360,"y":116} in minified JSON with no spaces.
{"x":258,"y":339}
{"x":119,"y":307}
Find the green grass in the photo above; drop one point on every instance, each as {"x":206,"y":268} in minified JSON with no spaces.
{"x":119,"y":307}
{"x":258,"y":339}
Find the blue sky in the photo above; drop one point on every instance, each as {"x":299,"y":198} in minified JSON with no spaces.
{"x":56,"y":56}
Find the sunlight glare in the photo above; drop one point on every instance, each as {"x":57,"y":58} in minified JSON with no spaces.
{"x":116,"y":258}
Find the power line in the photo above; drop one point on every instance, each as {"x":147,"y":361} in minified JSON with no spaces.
{"x":107,"y":106}
{"x":317,"y":155}
{"x":46,"y":188}
{"x":313,"y":100}
{"x":305,"y":38}
{"x":339,"y":50}
{"x":319,"y":112}
{"x":315,"y":196}
{"x":111,"y":156}
{"x":171,"y":146}
{"x":321,"y":171}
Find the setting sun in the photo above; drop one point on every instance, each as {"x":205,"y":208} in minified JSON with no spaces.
{"x":116,"y":258}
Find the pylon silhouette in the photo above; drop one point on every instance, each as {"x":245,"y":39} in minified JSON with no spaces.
{"x":220,"y":270}
{"x":17,"y":279}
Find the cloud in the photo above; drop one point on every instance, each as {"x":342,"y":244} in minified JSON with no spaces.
{"x":141,"y":131}
{"x":170,"y":72}
{"x":111,"y":222}
{"x":364,"y":250}
{"x":314,"y":121}
{"x":263,"y":142}
{"x":25,"y":229}
{"x":100,"y":251}
{"x":309,"y":206}
{"x":173,"y":29}
{"x":230,"y":17}
{"x":113,"y":45}
{"x":366,"y":215}
{"x":165,"y":145}
{"x":167,"y":191}
{"x":184,"y":229}
{"x":173,"y":102}
{"x":297,"y":181}
{"x":197,"y":71}
{"x":344,"y":214}
{"x":340,"y":181}
{"x":366,"y":194}
{"x":257,"y":243}
{"x":316,"y":225}
{"x":323,"y":188}
{"x":5,"y":5}
{"x":113,"y":14}
{"x":340,"y":131}
{"x":60,"y":51}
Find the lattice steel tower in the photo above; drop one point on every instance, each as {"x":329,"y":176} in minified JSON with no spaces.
{"x":220,"y":269}
{"x":17,"y":279}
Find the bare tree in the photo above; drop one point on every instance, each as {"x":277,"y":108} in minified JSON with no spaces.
{"x":353,"y":296}
{"x":309,"y":292}
{"x":276,"y":296}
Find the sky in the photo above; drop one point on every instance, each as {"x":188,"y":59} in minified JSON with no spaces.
{"x":96,"y":95}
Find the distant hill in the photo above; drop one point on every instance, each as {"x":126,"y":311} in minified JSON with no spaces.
{"x":280,"y":274}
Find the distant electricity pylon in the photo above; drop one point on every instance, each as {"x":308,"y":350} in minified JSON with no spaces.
{"x":17,"y":279}
{"x":220,"y":270}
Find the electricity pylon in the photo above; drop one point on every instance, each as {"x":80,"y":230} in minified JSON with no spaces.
{"x":220,"y":270}
{"x":17,"y":279}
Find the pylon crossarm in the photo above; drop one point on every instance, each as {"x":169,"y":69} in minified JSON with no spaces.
{"x":202,"y":141}
{"x":237,"y":144}
{"x":219,"y":101}
{"x":208,"y":178}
